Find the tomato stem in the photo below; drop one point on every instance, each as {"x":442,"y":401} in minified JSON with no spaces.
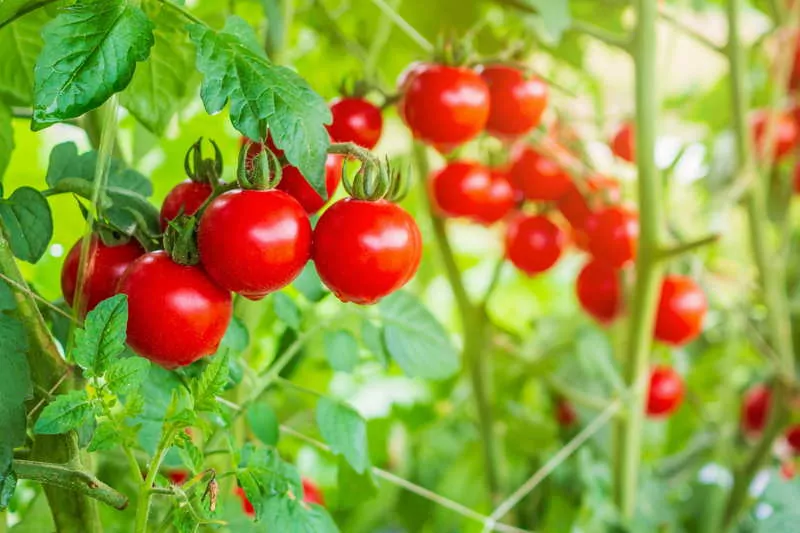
{"x":143,"y":502}
{"x":687,"y":247}
{"x":72,"y":479}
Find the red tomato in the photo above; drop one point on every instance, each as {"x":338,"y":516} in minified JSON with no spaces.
{"x":178,"y":476}
{"x":576,"y":208}
{"x":311,"y":493}
{"x":500,"y":199}
{"x":185,"y":198}
{"x":598,"y":291}
{"x":404,"y":80}
{"x":356,"y":120}
{"x":470,"y":190}
{"x":681,"y":309}
{"x":539,"y":178}
{"x":104,"y":267}
{"x":254,"y":242}
{"x":665,"y":393}
{"x":445,"y":106}
{"x":565,"y":414}
{"x":612,"y":234}
{"x":516,"y":102}
{"x":534,"y":243}
{"x":793,"y":438}
{"x":784,"y":137}
{"x":364,"y":250}
{"x":623,"y":145}
{"x":176,"y":314}
{"x":755,"y":409}
{"x":294,"y":184}
{"x":247,"y":507}
{"x":258,"y":146}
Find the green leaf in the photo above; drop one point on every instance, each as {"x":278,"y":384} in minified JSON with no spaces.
{"x":29,"y":223}
{"x":264,"y":423}
{"x":265,"y":476}
{"x":190,"y":454}
{"x":21,"y":43}
{"x":354,"y":488}
{"x":167,"y":78}
{"x":286,"y":310}
{"x":291,"y":516}
{"x":210,"y":383}
{"x":415,"y":339}
{"x":341,"y":349}
{"x":372,"y":337}
{"x":309,"y":284}
{"x":106,"y":437}
{"x":7,"y":301}
{"x":103,"y":335}
{"x":90,"y":52}
{"x":127,"y":375}
{"x":6,"y":138}
{"x":15,"y":387}
{"x":263,"y":95}
{"x":66,"y":412}
{"x":555,"y":16}
{"x":345,"y":431}
{"x":236,"y":338}
{"x":8,"y":484}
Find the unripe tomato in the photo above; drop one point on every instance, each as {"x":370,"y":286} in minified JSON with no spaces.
{"x":293,"y":183}
{"x":311,"y":493}
{"x":176,"y":314}
{"x":784,"y":136}
{"x":755,"y":409}
{"x":105,"y":266}
{"x":538,"y":177}
{"x":612,"y":234}
{"x":534,"y":243}
{"x":793,"y":438}
{"x":598,"y":291}
{"x":254,"y":242}
{"x":365,"y":250}
{"x":665,"y":393}
{"x":516,"y":102}
{"x":185,"y":198}
{"x":356,"y":120}
{"x":445,"y":106}
{"x":565,"y":414}
{"x":470,"y":190}
{"x":681,"y":309}
{"x":623,"y":145}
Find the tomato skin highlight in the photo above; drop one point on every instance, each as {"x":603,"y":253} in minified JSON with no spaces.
{"x":293,"y":183}
{"x":623,"y":144}
{"x":468,"y":189}
{"x":254,"y":242}
{"x":682,"y":307}
{"x":444,"y":106}
{"x":516,"y":102}
{"x":365,"y":250}
{"x":356,"y":120}
{"x":186,"y":197}
{"x":755,"y":408}
{"x":104,"y":268}
{"x":176,"y":313}
{"x":538,"y":177}
{"x":665,"y":393}
{"x":612,"y":234}
{"x":785,"y":135}
{"x":534,"y":243}
{"x":598,"y":290}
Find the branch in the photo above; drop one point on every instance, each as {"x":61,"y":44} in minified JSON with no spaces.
{"x":67,"y":478}
{"x":687,"y":247}
{"x":690,"y":32}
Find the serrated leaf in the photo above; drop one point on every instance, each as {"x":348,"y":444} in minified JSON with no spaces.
{"x":126,"y":375}
{"x":29,"y":223}
{"x":265,"y":476}
{"x":102,"y":337}
{"x":372,"y":337}
{"x":341,"y":350}
{"x":66,"y":412}
{"x":286,"y":310}
{"x":6,"y":138}
{"x":106,"y":437}
{"x":262,"y":95}
{"x":8,"y":484}
{"x":90,"y":52}
{"x":210,"y":383}
{"x":21,"y":43}
{"x":15,"y":387}
{"x":354,"y":488}
{"x":415,"y":339}
{"x":291,"y":516}
{"x":183,"y":519}
{"x":191,"y":455}
{"x":345,"y":431}
{"x":263,"y":423}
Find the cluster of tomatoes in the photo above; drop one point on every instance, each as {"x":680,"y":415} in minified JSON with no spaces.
{"x":251,"y":239}
{"x":756,"y":408}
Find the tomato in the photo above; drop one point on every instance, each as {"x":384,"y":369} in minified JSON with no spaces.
{"x":755,"y":409}
{"x":565,"y":414}
{"x":104,"y":267}
{"x":784,"y":136}
{"x":445,"y":106}
{"x":404,"y":80}
{"x":598,"y":291}
{"x":500,"y":199}
{"x":258,"y":146}
{"x":612,"y":234}
{"x":468,"y":189}
{"x":294,"y":184}
{"x":178,"y":476}
{"x":623,"y":145}
{"x":311,"y":493}
{"x":185,"y":198}
{"x":254,"y":242}
{"x":534,"y":243}
{"x":576,"y":207}
{"x":356,"y":120}
{"x":665,"y":393}
{"x":365,"y":250}
{"x":539,"y":178}
{"x":681,"y":309}
{"x":787,"y":470}
{"x":176,"y":313}
{"x":793,"y":438}
{"x":516,"y":103}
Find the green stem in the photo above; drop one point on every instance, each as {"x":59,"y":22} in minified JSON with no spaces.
{"x":70,"y":479}
{"x":403,"y":24}
{"x":648,"y":265}
{"x":143,"y":502}
{"x":687,"y":247}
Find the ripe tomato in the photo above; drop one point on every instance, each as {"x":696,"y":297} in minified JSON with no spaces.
{"x":576,"y":207}
{"x":793,"y":438}
{"x":623,"y":145}
{"x":311,"y":493}
{"x":254,"y":242}
{"x":176,"y":314}
{"x":755,"y":409}
{"x":500,"y":199}
{"x":665,"y":393}
{"x":516,"y":102}
{"x":294,"y":184}
{"x":784,"y":136}
{"x":404,"y":80}
{"x":364,"y":250}
{"x":598,"y":291}
{"x":539,"y":178}
{"x":681,"y":309}
{"x":445,"y":106}
{"x":178,"y":476}
{"x":356,"y":120}
{"x":247,"y":506}
{"x":468,"y":189}
{"x":612,"y":234}
{"x":258,"y":146}
{"x":565,"y":414}
{"x":534,"y":243}
{"x":185,"y":198}
{"x":104,"y":267}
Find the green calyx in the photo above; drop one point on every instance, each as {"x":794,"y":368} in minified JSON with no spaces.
{"x":375,"y":181}
{"x":260,"y":172}
{"x":180,"y":240}
{"x":203,"y":170}
{"x":453,"y":52}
